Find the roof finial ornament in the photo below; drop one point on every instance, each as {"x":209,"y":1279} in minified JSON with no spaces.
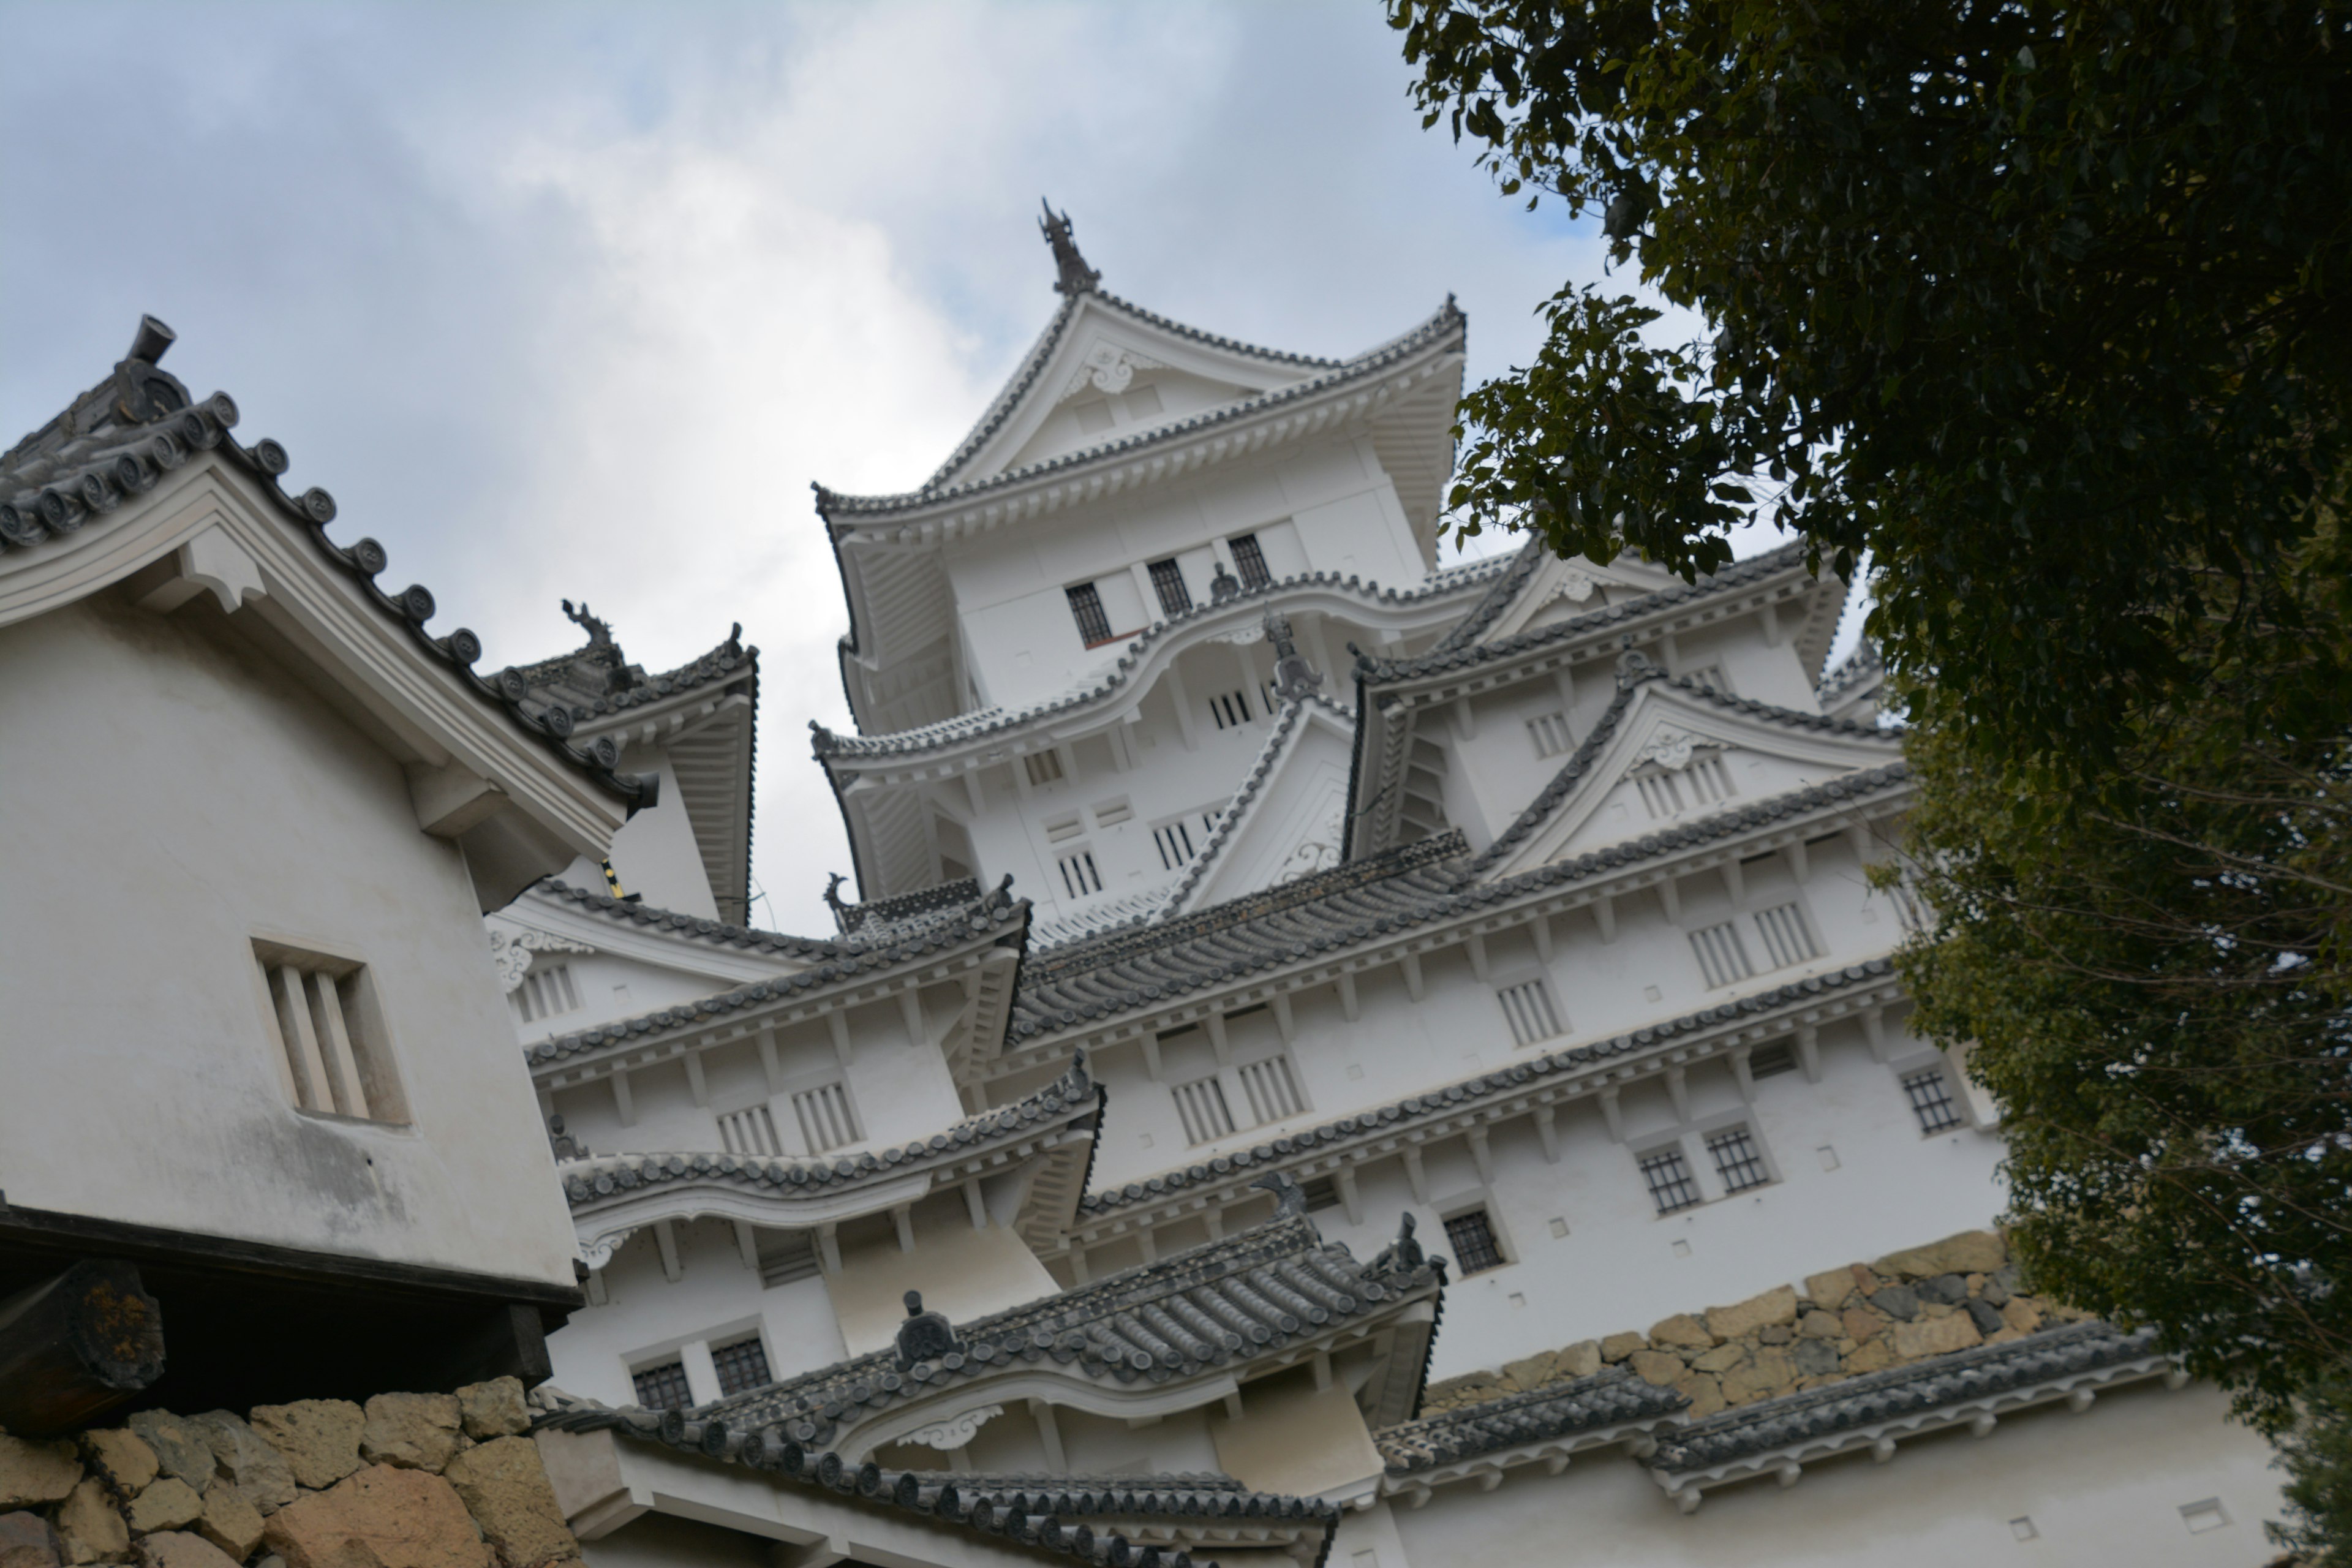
{"x":1402,"y":1255}
{"x":1293,"y":680}
{"x":926,"y":1336}
{"x":600,"y":634}
{"x":1289,"y":1198}
{"x":834,"y":880}
{"x":1633,"y":665}
{"x":1076,"y":277}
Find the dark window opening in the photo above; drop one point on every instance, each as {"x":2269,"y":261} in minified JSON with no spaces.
{"x":741,"y":1365}
{"x":1472,"y":1237}
{"x":1737,"y":1160}
{"x":662,"y":1387}
{"x":1768,"y":1060}
{"x":1931,"y":1101}
{"x":1087,"y":606}
{"x":1250,"y":560}
{"x":1671,"y":1186}
{"x":1168,"y":582}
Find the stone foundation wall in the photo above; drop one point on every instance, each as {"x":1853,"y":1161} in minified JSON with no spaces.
{"x":408,"y":1481}
{"x":1866,"y":1317}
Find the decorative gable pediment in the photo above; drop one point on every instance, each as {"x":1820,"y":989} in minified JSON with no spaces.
{"x":1287,"y":820}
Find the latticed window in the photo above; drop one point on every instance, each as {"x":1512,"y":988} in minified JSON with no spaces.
{"x":1086,"y":609}
{"x":826,"y":1118}
{"x":1174,"y":841}
{"x":1550,"y":733}
{"x":1669,"y":1176}
{"x":1931,"y":1099}
{"x":1472,"y":1237}
{"x":1168,"y":582}
{"x":1528,"y":1008}
{"x":751,"y":1131}
{"x":1706,"y":782}
{"x":1201,"y":1106}
{"x":1769,"y":1060}
{"x":1250,"y":560}
{"x":1231,"y":710}
{"x":544,"y":993}
{"x":1045,"y":767}
{"x":323,"y":1021}
{"x":1079,"y":876}
{"x":1785,"y":936}
{"x":1737,"y":1160}
{"x":1722,"y":957}
{"x":741,"y":1365}
{"x":1271,"y":1089}
{"x":662,"y":1387}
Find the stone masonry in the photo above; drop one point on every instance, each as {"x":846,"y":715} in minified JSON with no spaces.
{"x":407,"y":1480}
{"x":1866,"y":1317}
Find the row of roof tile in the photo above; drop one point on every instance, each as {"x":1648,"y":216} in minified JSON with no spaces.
{"x":1612,"y":1397}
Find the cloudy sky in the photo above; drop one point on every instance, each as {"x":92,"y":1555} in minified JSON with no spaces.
{"x":576,"y":301}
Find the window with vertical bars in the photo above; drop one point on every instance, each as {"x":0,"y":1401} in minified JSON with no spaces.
{"x":1706,"y":782}
{"x":1931,"y":1099}
{"x":1737,"y":1160}
{"x":1709,"y":675}
{"x":1168,"y":582}
{"x":1174,"y":842}
{"x":324,"y":1023}
{"x":826,"y":1118}
{"x":1086,"y":609}
{"x":1230,"y":709}
{"x":751,"y":1131}
{"x":1669,"y":1176}
{"x":1201,"y":1106}
{"x":1045,"y":767}
{"x":662,"y":1387}
{"x":1272,"y":1090}
{"x":1249,"y":560}
{"x":1322,"y":1192}
{"x":1079,"y":876}
{"x":1786,"y":940}
{"x":1768,"y":1060}
{"x":1722,"y":958}
{"x":741,"y":1365}
{"x":1528,"y":1008}
{"x":1472,"y":1237}
{"x":544,"y":993}
{"x":1550,"y":733}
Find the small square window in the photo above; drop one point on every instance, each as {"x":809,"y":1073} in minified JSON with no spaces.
{"x":1079,"y":876}
{"x":1931,"y":1099}
{"x":1770,"y":1061}
{"x":1722,"y":956}
{"x":662,"y":1386}
{"x":741,"y":1365}
{"x":1044,"y":767}
{"x":1550,"y":733}
{"x":1786,"y":940}
{"x":827,"y":1121}
{"x":1528,"y":1008}
{"x":1671,"y":1187}
{"x":1737,"y":1160}
{"x":1322,"y":1193}
{"x":329,"y":1034}
{"x":2200,"y":1517}
{"x":1201,"y":1106}
{"x":1472,"y":1235}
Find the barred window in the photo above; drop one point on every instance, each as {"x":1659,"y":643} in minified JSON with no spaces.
{"x":1669,"y":1176}
{"x":1550,"y":733}
{"x":1722,"y":958}
{"x":1045,"y":767}
{"x":1079,"y":876}
{"x":1200,"y":1105}
{"x":826,"y":1118}
{"x":751,"y":1131}
{"x":1707,"y":781}
{"x":1771,"y":1060}
{"x":1737,"y":1160}
{"x":1250,"y":560}
{"x":1174,"y":841}
{"x":1086,"y":609}
{"x":1472,"y":1237}
{"x":1322,"y":1192}
{"x":1785,"y":936}
{"x":1272,"y":1089}
{"x":742,"y":1364}
{"x":1230,"y":709}
{"x":329,"y":1037}
{"x":544,"y":993}
{"x":1168,"y":582}
{"x":662,"y":1387}
{"x":1528,"y":1008}
{"x":1931,"y":1099}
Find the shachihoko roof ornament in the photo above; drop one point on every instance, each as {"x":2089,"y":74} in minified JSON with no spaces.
{"x":1076,"y":277}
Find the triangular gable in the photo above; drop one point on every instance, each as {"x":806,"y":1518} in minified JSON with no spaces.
{"x":1104,"y":371}
{"x":1285,"y":820}
{"x":1556,"y":589}
{"x":1667,"y":752}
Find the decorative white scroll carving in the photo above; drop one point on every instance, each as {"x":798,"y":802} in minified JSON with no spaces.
{"x":946,"y":1436}
{"x":1320,"y":853}
{"x":1107,"y":369}
{"x":1243,"y":637}
{"x":1576,"y":586}
{"x":1670,"y":748}
{"x":599,"y":1252}
{"x":511,"y":951}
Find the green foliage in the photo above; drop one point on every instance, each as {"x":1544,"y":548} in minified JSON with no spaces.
{"x":2043,"y":305}
{"x":2317,"y":1455}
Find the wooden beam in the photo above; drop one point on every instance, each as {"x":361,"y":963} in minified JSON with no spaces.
{"x":76,"y":1346}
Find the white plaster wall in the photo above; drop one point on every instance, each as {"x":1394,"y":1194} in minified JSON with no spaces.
{"x":171,"y":798}
{"x":655,"y":854}
{"x":2102,"y":1488}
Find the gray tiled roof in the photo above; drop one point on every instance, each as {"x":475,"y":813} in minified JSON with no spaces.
{"x":1861,"y":665}
{"x":1224,"y":1301}
{"x":1333,"y":911}
{"x":121,"y":437}
{"x":841,"y":510}
{"x":990,"y":720}
{"x":1032,"y":1518}
{"x":1612,"y":1397}
{"x":1885,"y":1395}
{"x":1497,"y":599}
{"x":1069,"y":1098}
{"x":1501,"y":1083}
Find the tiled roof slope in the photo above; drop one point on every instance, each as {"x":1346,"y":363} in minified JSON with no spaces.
{"x":1612,"y":1397}
{"x":1229,"y":1300}
{"x":1884,"y":1395}
{"x":990,"y":720}
{"x":597,"y":1178}
{"x":1497,"y":599}
{"x":121,"y":437}
{"x":841,"y":510}
{"x":1332,"y":912}
{"x":1035,"y":1518}
{"x":1498,"y":1084}
{"x":1861,"y":665}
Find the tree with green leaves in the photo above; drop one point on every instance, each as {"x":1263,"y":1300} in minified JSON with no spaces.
{"x":2046,"y":310}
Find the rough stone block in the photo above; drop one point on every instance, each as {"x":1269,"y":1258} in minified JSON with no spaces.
{"x":27,"y":1541}
{"x":1819,"y":1325}
{"x":246,"y":1461}
{"x":34,"y":1473}
{"x":92,"y":1527}
{"x":1944,"y":1290}
{"x":1971,"y":1252}
{"x":415,"y":1431}
{"x":123,"y":1458}
{"x":1935,"y":1336}
{"x":1466,"y":1389}
{"x":1986,"y":1317}
{"x":170,"y":1504}
{"x":1993,"y":1290}
{"x":383,"y":1517}
{"x":230,"y":1522}
{"x":493,"y":1409}
{"x":1617,"y":1347}
{"x":1657,"y":1367}
{"x":1721,"y":1358}
{"x":1897,"y":1302}
{"x":320,"y":1437}
{"x":2021,"y":1313}
{"x":1831,"y":1291}
{"x":506,"y":1489}
{"x":1777,"y":1306}
{"x":1860,"y":1324}
{"x":1581,"y":1359}
{"x":176,"y":1551}
{"x":1682,"y":1330}
{"x":1531,"y":1372}
{"x":1815,"y":1358}
{"x":1875,"y":1356}
{"x":1769,"y":1372}
{"x":180,"y":1448}
{"x":1705,"y":1394}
